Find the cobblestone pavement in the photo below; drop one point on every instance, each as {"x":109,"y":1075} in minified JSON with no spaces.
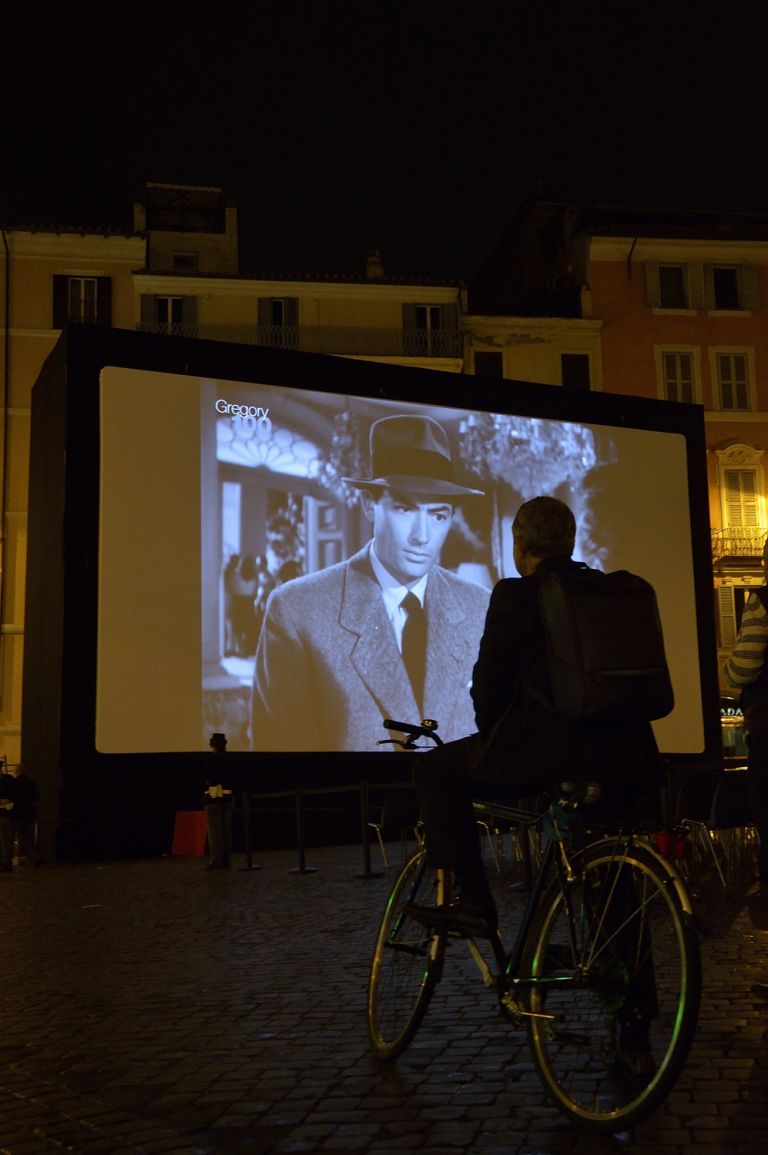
{"x":156,"y":1007}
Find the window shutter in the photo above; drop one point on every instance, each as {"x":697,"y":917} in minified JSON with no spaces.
{"x":104,"y":301}
{"x":265,"y":310}
{"x":726,"y":617}
{"x":189,"y":310}
{"x":696,"y":294}
{"x":148,"y":315}
{"x":60,"y":301}
{"x":709,"y":287}
{"x":741,"y":497}
{"x":410,"y":336}
{"x":449,"y":316}
{"x":291,"y":310}
{"x":409,"y":316}
{"x":750,"y":290}
{"x":652,"y":290}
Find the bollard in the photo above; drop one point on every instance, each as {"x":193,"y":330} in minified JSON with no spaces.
{"x":302,"y":868}
{"x":248,"y":840}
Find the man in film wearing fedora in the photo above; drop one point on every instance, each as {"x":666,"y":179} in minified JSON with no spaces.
{"x":389,"y":633}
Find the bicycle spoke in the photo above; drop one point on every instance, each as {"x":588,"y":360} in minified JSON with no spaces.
{"x":621,"y":1025}
{"x":405,"y":964}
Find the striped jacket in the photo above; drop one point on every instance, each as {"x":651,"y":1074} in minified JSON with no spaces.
{"x":746,"y":662}
{"x":747,"y":667}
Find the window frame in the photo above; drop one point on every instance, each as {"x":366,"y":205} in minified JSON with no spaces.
{"x":660,"y":352}
{"x":745,"y":459}
{"x":680,"y":266}
{"x":731,"y":351}
{"x":101,"y":312}
{"x":747,"y":285}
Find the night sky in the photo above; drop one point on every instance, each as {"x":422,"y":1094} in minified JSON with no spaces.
{"x":416,"y":127}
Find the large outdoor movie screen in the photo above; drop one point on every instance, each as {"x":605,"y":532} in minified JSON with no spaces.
{"x":252,"y":565}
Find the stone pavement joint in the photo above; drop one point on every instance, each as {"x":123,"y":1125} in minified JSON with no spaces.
{"x":155,"y":1007}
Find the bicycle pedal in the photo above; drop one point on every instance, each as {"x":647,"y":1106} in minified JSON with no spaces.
{"x":512,"y":1007}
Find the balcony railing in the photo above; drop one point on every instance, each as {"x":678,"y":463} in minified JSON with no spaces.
{"x":738,"y":541}
{"x":362,"y":342}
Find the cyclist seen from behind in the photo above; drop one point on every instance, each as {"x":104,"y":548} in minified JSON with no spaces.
{"x":521,"y":743}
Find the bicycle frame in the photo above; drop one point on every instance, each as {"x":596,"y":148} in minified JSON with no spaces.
{"x":604,"y":970}
{"x":509,"y":961}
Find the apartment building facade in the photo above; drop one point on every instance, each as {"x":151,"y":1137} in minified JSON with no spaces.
{"x":665,"y":305}
{"x":178,"y":272}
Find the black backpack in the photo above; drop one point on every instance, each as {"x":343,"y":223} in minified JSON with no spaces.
{"x":605,"y":648}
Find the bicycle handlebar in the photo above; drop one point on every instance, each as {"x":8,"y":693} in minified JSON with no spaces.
{"x":426,"y":729}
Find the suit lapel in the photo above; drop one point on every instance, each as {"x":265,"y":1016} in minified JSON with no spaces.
{"x":446,"y":643}
{"x":374,"y":653}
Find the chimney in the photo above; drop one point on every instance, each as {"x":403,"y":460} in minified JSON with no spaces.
{"x":374,"y":269}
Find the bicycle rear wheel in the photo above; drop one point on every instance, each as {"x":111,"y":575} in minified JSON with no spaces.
{"x":407,"y":961}
{"x":619,"y":973}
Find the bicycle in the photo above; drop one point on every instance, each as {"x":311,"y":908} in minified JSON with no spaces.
{"x":607,"y":946}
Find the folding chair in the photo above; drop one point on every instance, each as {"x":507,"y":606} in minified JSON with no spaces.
{"x":399,"y":816}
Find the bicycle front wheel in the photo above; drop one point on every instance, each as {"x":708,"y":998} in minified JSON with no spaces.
{"x":615,"y":974}
{"x":407,"y":961}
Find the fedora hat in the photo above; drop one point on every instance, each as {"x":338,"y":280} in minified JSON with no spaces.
{"x":411,"y":454}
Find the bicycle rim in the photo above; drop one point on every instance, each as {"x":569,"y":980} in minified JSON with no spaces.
{"x":406,"y":962}
{"x":620,"y":975}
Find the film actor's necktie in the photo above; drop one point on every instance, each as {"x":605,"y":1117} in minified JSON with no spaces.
{"x":415,"y":644}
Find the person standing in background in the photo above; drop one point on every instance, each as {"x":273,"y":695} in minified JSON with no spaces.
{"x":747,"y":670}
{"x":219,"y":804}
{"x":24,"y":814}
{"x":7,"y":802}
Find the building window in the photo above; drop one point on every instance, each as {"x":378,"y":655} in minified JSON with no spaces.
{"x":725,"y":287}
{"x":81,"y":300}
{"x":742,"y":501}
{"x":574,"y":369}
{"x":678,"y":373}
{"x":186,"y":262}
{"x":169,"y":314}
{"x":279,"y":322}
{"x":740,"y":498}
{"x":732,"y":288}
{"x":85,"y":300}
{"x":675,"y":286}
{"x":431,"y":330}
{"x":672,"y":287}
{"x":428,"y":318}
{"x":489,"y":364}
{"x":678,"y":377}
{"x":732,"y":374}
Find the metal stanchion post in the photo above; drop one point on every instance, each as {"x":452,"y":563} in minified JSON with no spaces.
{"x":302,"y":868}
